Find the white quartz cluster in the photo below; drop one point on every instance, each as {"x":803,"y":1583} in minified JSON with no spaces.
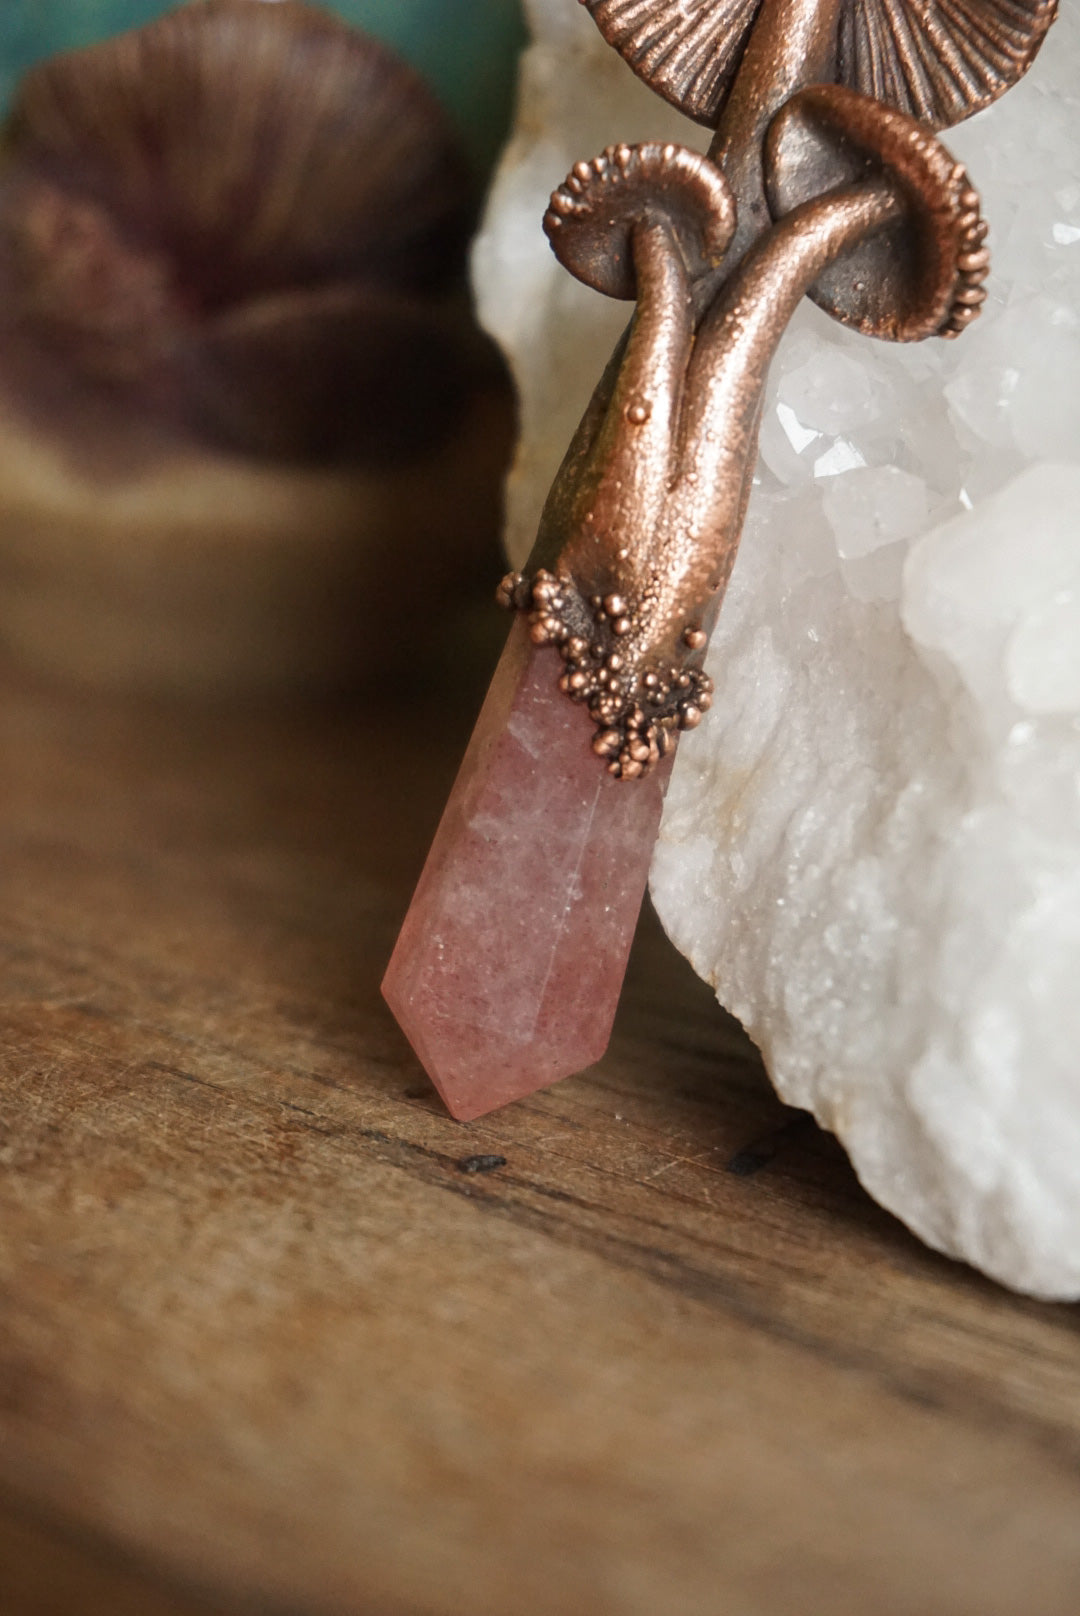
{"x":872,"y":846}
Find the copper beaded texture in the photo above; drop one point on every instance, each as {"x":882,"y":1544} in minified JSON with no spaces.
{"x":824,"y":178}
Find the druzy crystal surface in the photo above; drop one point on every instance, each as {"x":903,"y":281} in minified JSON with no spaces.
{"x":871,"y":847}
{"x":507,"y":971}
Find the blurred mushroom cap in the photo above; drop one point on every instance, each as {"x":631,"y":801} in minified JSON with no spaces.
{"x":246,"y":414}
{"x":243,"y":220}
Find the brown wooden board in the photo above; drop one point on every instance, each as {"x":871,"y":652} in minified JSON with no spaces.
{"x":265,"y":1344}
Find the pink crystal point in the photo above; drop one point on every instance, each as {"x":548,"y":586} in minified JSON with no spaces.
{"x":507,"y":971}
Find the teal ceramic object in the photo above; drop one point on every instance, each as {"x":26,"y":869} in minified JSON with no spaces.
{"x":467,"y":49}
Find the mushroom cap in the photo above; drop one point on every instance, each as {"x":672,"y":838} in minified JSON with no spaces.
{"x":591,"y":217}
{"x":916,"y":277}
{"x":214,"y":206}
{"x":939,"y":60}
{"x":257,"y":145}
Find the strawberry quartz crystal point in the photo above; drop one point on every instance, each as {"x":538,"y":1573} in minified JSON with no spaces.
{"x":506,"y":974}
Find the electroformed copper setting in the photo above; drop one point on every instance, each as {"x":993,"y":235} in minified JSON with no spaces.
{"x":824,"y":177}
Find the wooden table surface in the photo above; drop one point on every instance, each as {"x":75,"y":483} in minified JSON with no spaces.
{"x":265,"y":1345}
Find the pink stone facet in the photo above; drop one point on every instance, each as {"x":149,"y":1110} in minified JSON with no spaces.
{"x":508,"y":968}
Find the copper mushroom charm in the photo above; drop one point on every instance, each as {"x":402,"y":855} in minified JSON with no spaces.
{"x":642,"y":527}
{"x":809,"y":187}
{"x":731,"y":64}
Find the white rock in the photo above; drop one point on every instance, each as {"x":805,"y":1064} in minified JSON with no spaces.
{"x":875,"y":507}
{"x":872,"y":846}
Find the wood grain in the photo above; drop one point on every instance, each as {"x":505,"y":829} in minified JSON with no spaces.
{"x":266,"y":1345}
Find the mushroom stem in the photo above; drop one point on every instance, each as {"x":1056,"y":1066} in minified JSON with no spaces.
{"x":694,"y":547}
{"x":625,"y":471}
{"x":792,"y":44}
{"x":740,"y":334}
{"x":643,"y":222}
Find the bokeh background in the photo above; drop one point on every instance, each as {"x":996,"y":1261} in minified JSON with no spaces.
{"x":467,"y":49}
{"x":182,"y":574}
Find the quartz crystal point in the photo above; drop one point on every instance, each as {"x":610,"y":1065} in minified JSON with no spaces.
{"x":507,"y":972}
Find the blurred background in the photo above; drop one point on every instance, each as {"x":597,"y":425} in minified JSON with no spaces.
{"x":467,"y":52}
{"x":244,"y":404}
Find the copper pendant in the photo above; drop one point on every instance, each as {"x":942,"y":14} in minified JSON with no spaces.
{"x":824,"y":178}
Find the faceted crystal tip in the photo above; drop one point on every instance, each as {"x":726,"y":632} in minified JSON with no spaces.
{"x":506,"y":974}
